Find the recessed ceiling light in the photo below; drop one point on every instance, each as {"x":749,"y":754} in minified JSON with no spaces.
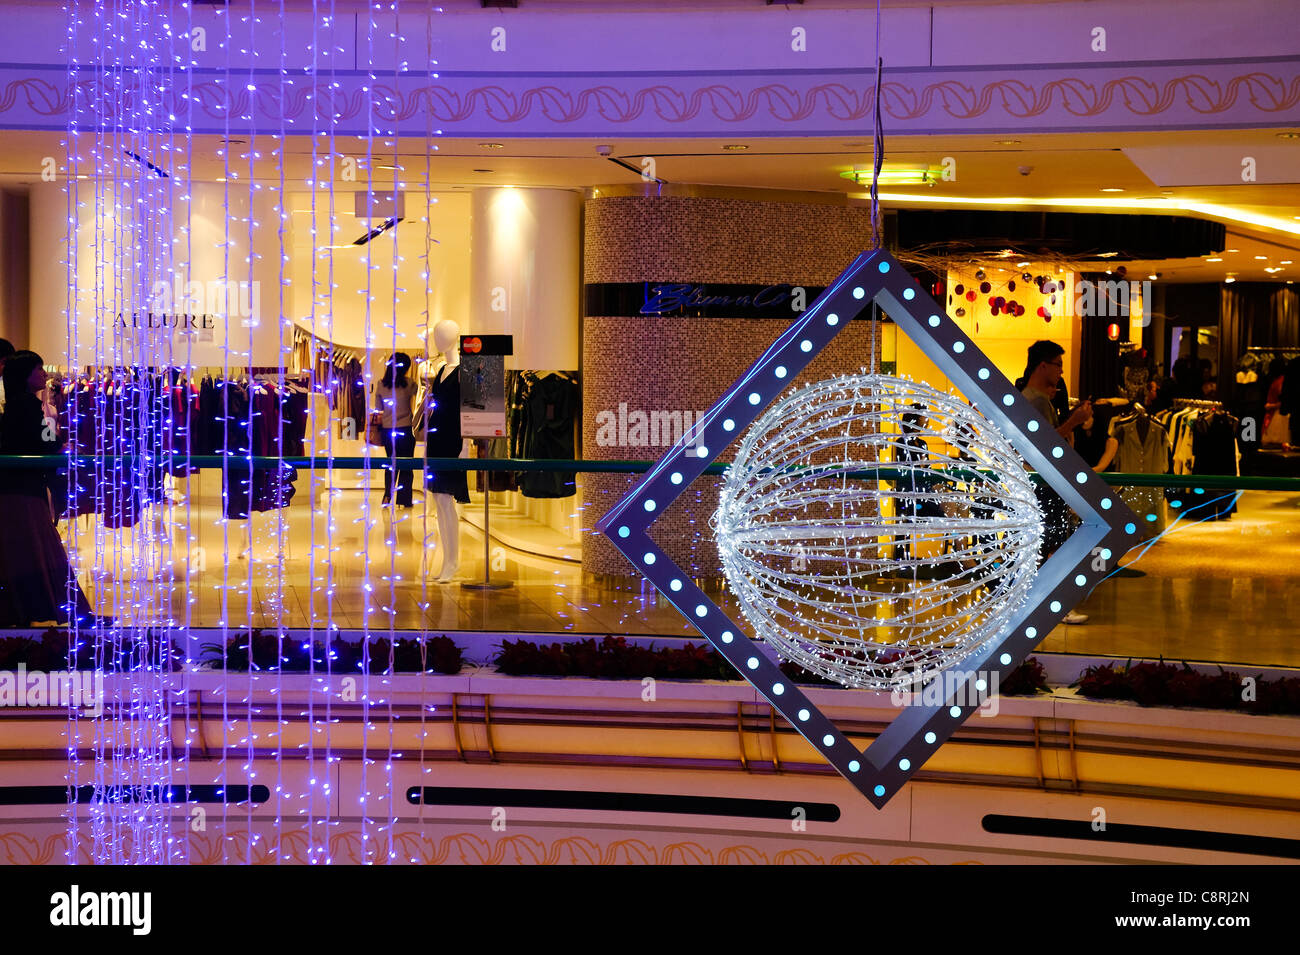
{"x":735,"y":147}
{"x":1272,"y":270}
{"x":1112,"y":189}
{"x":1285,"y":262}
{"x":1288,"y":135}
{"x":1261,"y":258}
{"x":1214,"y":259}
{"x":1229,"y":280}
{"x":1006,"y":142}
{"x":1230,"y":250}
{"x":492,"y":145}
{"x":388,"y":166}
{"x":1153,"y":277}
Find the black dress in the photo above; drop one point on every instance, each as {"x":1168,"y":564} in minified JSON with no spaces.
{"x":36,"y":583}
{"x":442,"y":435}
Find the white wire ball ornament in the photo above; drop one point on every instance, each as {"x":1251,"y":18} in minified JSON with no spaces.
{"x":877,"y":583}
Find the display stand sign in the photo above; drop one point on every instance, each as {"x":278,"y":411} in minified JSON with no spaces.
{"x":483,"y":385}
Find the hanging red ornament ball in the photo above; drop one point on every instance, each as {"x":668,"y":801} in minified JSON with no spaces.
{"x":985,"y":287}
{"x":1042,"y":312}
{"x":959,"y":288}
{"x":970,"y":296}
{"x":1020,"y":310}
{"x":961,"y":312}
{"x":993,"y":309}
{"x":1011,"y":286}
{"x":979,"y":274}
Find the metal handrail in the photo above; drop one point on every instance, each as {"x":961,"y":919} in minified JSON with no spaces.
{"x":1230,"y":482}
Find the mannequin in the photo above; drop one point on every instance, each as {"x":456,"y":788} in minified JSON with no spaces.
{"x":442,"y":439}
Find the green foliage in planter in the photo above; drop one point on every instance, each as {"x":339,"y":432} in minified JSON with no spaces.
{"x":1028,"y":679}
{"x":612,"y":658}
{"x":50,"y":653}
{"x":1164,"y":684}
{"x":267,"y":652}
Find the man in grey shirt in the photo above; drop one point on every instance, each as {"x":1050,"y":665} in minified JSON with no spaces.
{"x":1043,"y":367}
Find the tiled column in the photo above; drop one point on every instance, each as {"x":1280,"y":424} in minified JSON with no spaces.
{"x":652,"y":364}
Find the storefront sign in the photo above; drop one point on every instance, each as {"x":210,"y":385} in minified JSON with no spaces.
{"x":202,"y":327}
{"x":699,"y":299}
{"x":483,"y":384}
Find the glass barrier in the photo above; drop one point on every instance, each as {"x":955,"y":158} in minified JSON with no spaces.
{"x":1217,"y":580}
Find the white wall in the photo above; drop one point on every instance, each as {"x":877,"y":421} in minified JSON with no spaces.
{"x":526,"y":274}
{"x":402,"y":303}
{"x":210,"y":246}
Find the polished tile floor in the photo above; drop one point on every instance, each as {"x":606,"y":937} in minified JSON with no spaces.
{"x":1224,"y":591}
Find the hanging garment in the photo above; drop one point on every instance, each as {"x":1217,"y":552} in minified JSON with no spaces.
{"x":1143,"y":449}
{"x":550,"y":414}
{"x":442,"y":435}
{"x":493,"y":448}
{"x":1214,"y":439}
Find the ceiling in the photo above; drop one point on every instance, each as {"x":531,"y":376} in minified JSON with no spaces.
{"x":1066,"y":171}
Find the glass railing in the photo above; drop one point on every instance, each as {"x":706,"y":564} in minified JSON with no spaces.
{"x":1218,"y":580}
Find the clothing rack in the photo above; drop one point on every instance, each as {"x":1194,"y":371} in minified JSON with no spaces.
{"x":337,"y":353}
{"x":1201,"y":403}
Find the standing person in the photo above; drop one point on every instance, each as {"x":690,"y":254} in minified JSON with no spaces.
{"x":394,"y":396}
{"x":34,"y":571}
{"x":6,"y":349}
{"x":1043,"y":367}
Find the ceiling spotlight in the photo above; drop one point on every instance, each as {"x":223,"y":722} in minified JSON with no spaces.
{"x":1236,"y":250}
{"x":1153,"y":276}
{"x":1230,"y":279}
{"x":1214,"y":259}
{"x":492,"y":145}
{"x":1006,"y":142}
{"x":1261,"y":258}
{"x":1288,"y":135}
{"x":1112,"y":189}
{"x":1285,"y":262}
{"x":1272,"y":270}
{"x":735,"y":147}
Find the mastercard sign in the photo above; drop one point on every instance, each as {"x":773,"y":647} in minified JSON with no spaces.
{"x":472,"y":344}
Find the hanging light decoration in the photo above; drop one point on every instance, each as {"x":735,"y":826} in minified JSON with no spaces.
{"x":877,"y":583}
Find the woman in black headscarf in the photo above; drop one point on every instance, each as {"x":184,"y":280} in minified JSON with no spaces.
{"x":36,"y":583}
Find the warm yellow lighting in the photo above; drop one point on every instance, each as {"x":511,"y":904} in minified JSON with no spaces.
{"x":1214,"y":259}
{"x":1112,"y":189}
{"x":897,"y":174}
{"x":1207,"y":209}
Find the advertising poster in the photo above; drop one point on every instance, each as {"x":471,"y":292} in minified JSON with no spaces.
{"x":483,"y":385}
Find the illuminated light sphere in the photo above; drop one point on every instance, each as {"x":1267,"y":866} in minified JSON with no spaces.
{"x":872,"y":581}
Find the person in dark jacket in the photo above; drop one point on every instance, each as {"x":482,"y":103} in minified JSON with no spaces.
{"x":36,"y":582}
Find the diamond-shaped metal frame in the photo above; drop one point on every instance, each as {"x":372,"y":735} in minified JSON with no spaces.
{"x":1108,"y":527}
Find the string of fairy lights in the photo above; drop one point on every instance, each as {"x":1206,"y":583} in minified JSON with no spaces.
{"x":135,"y":69}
